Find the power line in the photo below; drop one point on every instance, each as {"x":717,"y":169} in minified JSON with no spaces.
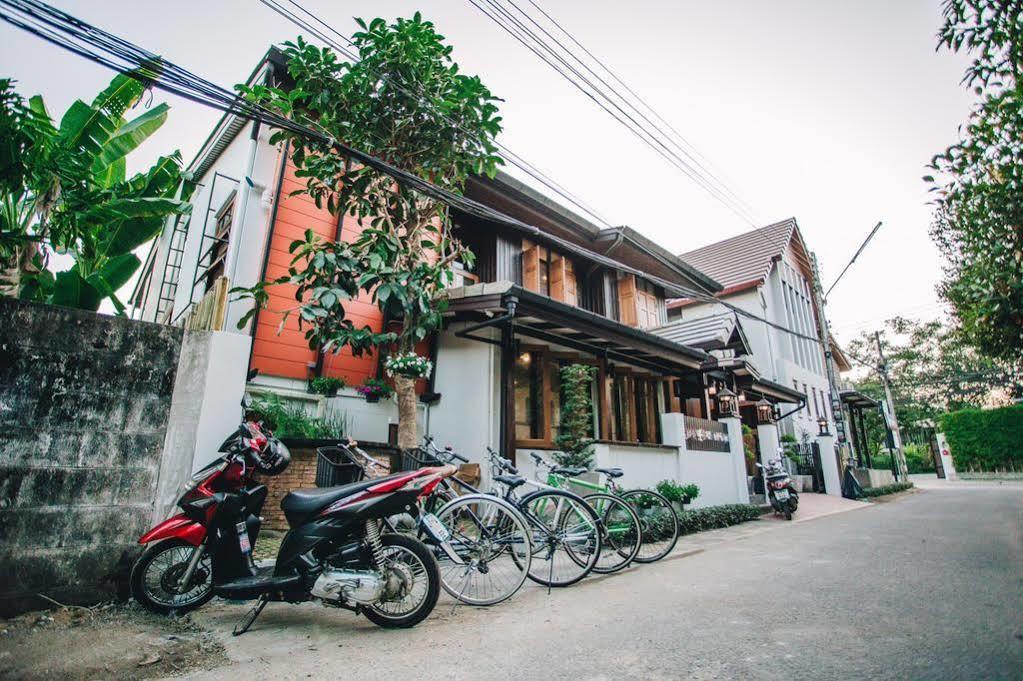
{"x":106,"y":49}
{"x":855,"y":255}
{"x":539,"y":47}
{"x":515,"y":159}
{"x":675,"y":138}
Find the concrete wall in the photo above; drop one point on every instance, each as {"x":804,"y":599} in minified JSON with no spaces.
{"x":84,"y":405}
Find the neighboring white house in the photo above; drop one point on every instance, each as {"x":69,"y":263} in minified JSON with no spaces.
{"x":769,"y":272}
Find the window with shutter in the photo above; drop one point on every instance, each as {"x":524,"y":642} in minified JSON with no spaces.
{"x":530,"y":266}
{"x":627,"y":300}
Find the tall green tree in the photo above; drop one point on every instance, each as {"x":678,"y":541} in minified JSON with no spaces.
{"x":978,"y":181}
{"x":932,"y":370}
{"x":64,"y":189}
{"x":406,"y":102}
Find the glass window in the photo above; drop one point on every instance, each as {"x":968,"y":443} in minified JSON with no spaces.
{"x":528,"y":379}
{"x":620,"y":405}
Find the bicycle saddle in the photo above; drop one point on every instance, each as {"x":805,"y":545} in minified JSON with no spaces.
{"x":512,"y":481}
{"x":611,"y":472}
{"x":570,"y":471}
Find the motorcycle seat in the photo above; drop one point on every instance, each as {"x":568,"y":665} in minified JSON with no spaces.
{"x":299,"y":503}
{"x":611,"y":472}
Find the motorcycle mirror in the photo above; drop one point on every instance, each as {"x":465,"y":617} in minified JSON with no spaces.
{"x":246,"y":401}
{"x":758,"y":465}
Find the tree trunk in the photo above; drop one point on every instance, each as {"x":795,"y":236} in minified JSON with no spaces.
{"x":408,"y":429}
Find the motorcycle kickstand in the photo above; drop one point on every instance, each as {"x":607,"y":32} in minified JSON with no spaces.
{"x":251,"y":617}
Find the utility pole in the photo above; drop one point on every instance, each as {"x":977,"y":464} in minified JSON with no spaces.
{"x":829,"y":360}
{"x":882,"y":369}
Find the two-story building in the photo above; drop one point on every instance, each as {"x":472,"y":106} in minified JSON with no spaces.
{"x":551,"y":288}
{"x":770,"y":273}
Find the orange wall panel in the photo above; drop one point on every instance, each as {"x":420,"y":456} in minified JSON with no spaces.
{"x":285,"y":352}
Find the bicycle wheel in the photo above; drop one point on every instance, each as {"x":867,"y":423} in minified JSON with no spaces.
{"x":658,"y":522}
{"x":493,"y":540}
{"x":621,"y":532}
{"x":566,"y":536}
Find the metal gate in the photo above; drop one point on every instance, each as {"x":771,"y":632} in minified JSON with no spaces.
{"x":936,"y":455}
{"x":808,"y":462}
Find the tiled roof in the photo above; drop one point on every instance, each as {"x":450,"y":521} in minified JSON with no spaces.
{"x":742,"y":259}
{"x":706,"y":333}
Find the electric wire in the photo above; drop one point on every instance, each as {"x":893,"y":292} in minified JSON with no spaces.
{"x":515,"y":28}
{"x":68,"y":32}
{"x":508,"y":154}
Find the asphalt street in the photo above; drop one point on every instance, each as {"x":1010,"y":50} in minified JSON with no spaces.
{"x":926,"y":586}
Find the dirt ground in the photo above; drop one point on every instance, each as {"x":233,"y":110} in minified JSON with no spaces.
{"x":111,"y":641}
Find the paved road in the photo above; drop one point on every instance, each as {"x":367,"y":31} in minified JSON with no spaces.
{"x":929,"y":586}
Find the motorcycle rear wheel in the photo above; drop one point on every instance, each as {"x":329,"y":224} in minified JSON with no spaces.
{"x":415,"y":557}
{"x":149,"y":589}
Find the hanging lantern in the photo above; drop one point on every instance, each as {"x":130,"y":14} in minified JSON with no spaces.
{"x":822,"y":424}
{"x":727,"y":403}
{"x":765,"y":412}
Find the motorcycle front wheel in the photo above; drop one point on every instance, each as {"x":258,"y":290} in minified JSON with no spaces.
{"x":155,"y":577}
{"x":413,"y":580}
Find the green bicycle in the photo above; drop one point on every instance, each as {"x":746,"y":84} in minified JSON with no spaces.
{"x":621,"y":528}
{"x":658,"y":521}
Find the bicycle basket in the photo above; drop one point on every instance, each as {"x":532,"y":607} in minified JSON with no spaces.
{"x":334,"y":467}
{"x":416,"y":458}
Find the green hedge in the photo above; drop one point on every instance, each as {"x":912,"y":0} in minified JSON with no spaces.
{"x":715,"y":517}
{"x":887,"y":489}
{"x":985,"y":439}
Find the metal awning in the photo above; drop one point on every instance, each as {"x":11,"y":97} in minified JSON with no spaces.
{"x":535,"y":316}
{"x":858,"y":400}
{"x":771,"y":391}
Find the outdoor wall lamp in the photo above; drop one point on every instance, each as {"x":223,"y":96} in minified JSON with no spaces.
{"x":712,"y":389}
{"x":726,"y":402}
{"x":822,"y":424}
{"x":765,"y":412}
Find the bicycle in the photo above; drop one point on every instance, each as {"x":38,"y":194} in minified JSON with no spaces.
{"x":658,"y":521}
{"x":485,"y":553}
{"x":621,"y":528}
{"x":566,"y":531}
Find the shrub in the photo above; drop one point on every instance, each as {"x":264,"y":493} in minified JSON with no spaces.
{"x":326,"y":385}
{"x":985,"y":439}
{"x":887,"y":489}
{"x":715,"y":517}
{"x":289,"y":420}
{"x":575,"y":434}
{"x":675,"y":492}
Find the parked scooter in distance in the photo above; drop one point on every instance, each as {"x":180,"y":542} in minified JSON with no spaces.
{"x":783,"y":496}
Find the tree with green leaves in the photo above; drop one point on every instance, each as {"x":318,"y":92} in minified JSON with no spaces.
{"x":932,"y":370}
{"x":404,"y":101}
{"x":978,"y":181}
{"x":64,"y":189}
{"x":575,"y":429}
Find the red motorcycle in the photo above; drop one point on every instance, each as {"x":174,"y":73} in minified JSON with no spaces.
{"x":334,"y":550}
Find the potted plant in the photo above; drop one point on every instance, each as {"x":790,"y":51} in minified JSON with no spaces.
{"x":408,"y":364}
{"x":326,"y":385}
{"x":679,"y":495}
{"x":373,"y":389}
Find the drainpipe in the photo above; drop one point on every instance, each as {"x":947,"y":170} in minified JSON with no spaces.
{"x":238,"y":228}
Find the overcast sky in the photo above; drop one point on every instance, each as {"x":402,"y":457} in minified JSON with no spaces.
{"x":822,"y":110}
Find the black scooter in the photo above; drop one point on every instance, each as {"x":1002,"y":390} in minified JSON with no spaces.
{"x":783,"y":496}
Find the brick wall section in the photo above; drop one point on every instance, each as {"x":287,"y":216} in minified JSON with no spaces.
{"x":301,"y":474}
{"x":84,"y":401}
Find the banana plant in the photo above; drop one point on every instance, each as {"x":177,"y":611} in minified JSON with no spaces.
{"x":65,"y":187}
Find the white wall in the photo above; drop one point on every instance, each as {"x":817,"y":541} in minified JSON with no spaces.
{"x":228,"y":362}
{"x":249,"y":239}
{"x":467,"y":416}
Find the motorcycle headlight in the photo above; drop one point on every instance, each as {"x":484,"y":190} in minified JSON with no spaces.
{"x":199,"y":477}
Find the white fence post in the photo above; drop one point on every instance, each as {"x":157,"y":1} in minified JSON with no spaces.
{"x":738,"y":454}
{"x":673,"y":433}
